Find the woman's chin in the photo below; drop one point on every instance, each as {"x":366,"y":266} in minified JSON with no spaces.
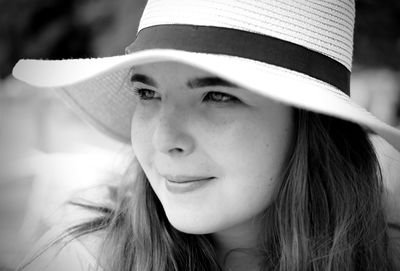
{"x":192,"y":225}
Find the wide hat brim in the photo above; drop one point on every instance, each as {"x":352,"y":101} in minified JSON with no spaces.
{"x":98,"y":88}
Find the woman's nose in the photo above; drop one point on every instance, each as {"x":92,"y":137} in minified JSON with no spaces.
{"x":171,"y":135}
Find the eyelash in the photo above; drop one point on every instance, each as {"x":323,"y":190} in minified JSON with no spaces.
{"x":141,"y":91}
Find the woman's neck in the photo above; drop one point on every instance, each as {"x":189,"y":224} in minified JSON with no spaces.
{"x":243,"y":237}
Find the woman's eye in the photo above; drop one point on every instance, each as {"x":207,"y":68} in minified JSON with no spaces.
{"x":145,"y":94}
{"x":219,"y":97}
{"x":212,"y":96}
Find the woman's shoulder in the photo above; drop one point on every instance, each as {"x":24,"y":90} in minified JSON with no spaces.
{"x":66,"y":254}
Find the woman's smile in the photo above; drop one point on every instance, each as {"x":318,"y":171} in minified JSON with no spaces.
{"x":186,"y":186}
{"x":185,"y":178}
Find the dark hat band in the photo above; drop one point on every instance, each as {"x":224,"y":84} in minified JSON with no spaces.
{"x":227,"y":41}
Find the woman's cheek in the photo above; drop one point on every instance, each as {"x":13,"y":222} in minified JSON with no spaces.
{"x":141,"y":135}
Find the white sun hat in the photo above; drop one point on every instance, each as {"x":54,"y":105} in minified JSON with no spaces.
{"x":294,"y":51}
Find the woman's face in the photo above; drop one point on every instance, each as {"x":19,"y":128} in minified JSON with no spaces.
{"x":190,"y":125}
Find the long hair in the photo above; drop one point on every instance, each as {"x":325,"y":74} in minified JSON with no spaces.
{"x":328,"y":212}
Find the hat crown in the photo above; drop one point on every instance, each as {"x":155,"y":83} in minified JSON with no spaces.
{"x":324,"y":26}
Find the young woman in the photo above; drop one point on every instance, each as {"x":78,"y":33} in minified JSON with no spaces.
{"x":248,"y":152}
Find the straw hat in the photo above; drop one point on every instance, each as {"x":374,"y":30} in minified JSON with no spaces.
{"x":294,"y":51}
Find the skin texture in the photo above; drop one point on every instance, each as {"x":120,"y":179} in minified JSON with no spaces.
{"x":179,"y":130}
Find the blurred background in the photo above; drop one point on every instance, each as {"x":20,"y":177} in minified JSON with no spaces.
{"x":48,"y":155}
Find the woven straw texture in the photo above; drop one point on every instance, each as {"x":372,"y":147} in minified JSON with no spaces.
{"x":106,"y":102}
{"x":325,"y":26}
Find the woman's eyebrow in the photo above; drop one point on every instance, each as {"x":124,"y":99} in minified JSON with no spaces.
{"x":141,"y":78}
{"x":193,"y":83}
{"x":209,"y":81}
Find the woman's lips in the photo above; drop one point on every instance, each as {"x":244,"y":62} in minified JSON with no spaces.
{"x":186,"y":185}
{"x":185,"y":178}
